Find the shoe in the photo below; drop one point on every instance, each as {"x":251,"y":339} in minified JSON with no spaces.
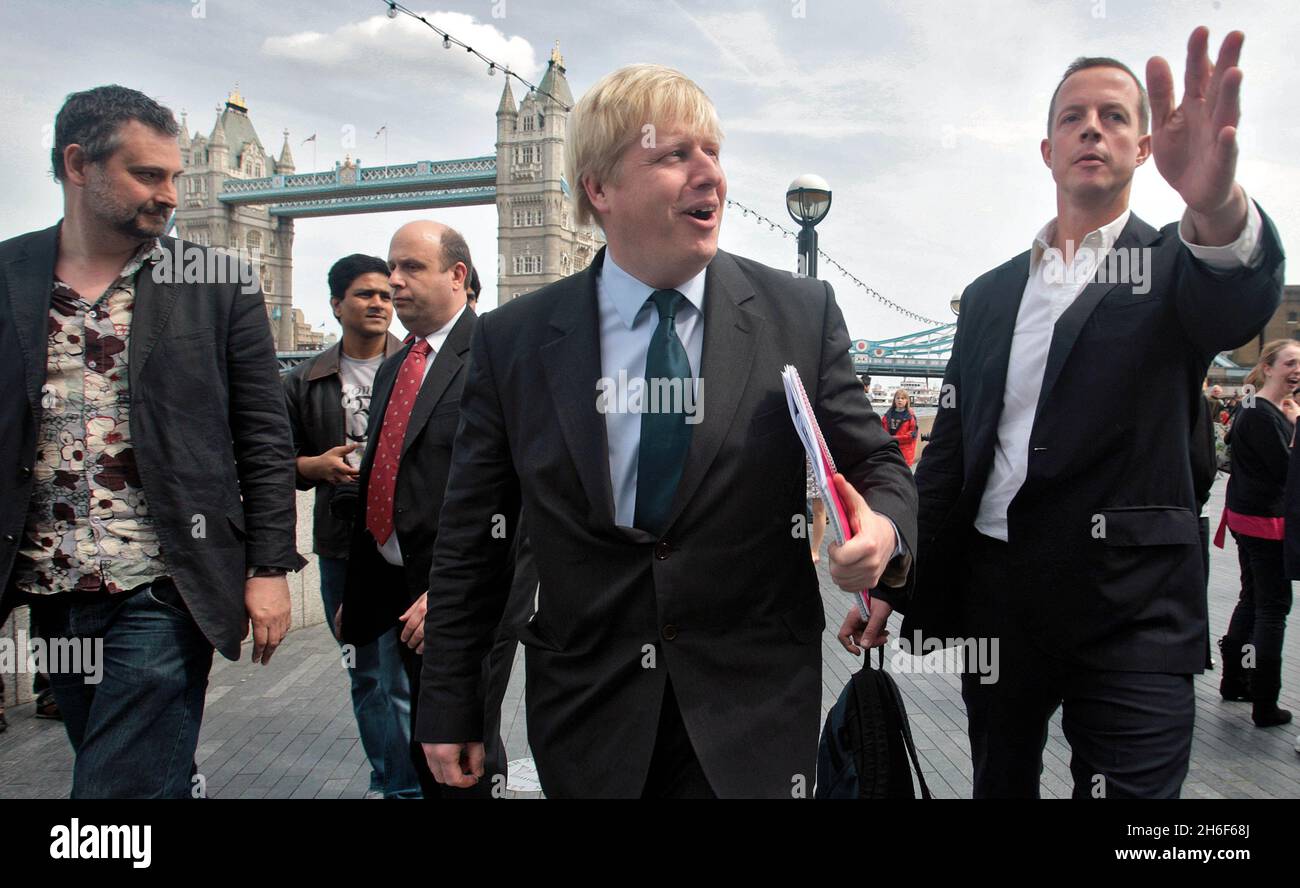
{"x":1267,"y":715}
{"x":4,"y":725}
{"x":1297,"y":742}
{"x":47,"y":708}
{"x":1234,"y":686}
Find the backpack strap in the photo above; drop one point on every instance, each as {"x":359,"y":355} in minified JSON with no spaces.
{"x":907,"y":736}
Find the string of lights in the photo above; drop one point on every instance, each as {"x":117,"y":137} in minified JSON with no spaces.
{"x":449,"y":41}
{"x":760,"y":219}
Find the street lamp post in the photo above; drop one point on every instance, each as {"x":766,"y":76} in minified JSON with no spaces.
{"x":809,"y":200}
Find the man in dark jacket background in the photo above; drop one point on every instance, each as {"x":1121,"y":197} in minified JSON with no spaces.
{"x":329,"y":407}
{"x":144,"y":449}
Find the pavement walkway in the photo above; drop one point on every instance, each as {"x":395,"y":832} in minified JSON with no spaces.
{"x":286,"y":730}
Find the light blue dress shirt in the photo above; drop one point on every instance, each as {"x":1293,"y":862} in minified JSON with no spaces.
{"x":627,"y":321}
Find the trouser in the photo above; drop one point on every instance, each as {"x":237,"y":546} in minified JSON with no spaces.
{"x":381,"y":694}
{"x":675,"y":771}
{"x":495,"y":770}
{"x":1204,"y":527}
{"x":1259,"y":618}
{"x":1130,"y":733}
{"x":133,"y":706}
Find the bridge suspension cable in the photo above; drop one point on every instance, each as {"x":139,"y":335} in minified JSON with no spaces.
{"x":871,"y":291}
{"x":448,"y":41}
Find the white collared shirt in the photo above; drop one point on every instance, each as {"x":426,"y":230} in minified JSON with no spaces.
{"x":1046,"y":297}
{"x":627,"y":322}
{"x":392,"y":550}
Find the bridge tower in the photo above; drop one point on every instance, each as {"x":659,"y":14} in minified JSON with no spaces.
{"x":537,"y":239}
{"x":233,"y":151}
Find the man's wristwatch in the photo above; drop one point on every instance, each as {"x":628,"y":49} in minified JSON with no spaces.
{"x":265,"y":572}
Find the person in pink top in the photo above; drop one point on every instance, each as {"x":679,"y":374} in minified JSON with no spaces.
{"x":1261,"y":439}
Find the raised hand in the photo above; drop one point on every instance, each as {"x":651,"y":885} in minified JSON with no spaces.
{"x":1195,"y":143}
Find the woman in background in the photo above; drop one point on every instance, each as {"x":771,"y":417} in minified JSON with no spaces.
{"x":900,"y":421}
{"x":1261,"y":439}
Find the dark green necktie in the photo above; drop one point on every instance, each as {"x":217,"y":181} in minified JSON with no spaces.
{"x":665,"y":436}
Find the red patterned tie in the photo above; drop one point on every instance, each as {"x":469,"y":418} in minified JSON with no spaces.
{"x":388,"y":452}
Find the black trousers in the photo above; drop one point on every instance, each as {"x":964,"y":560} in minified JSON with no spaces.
{"x":1260,"y":616}
{"x":495,"y":768}
{"x":1130,"y":733}
{"x":675,"y":771}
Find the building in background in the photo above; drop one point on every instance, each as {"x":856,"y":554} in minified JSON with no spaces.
{"x":304,"y":337}
{"x":1285,"y":324}
{"x":538,"y":241}
{"x":233,"y":150}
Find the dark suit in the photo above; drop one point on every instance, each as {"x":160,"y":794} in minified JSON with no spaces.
{"x":207,"y":420}
{"x":377,"y":592}
{"x":1130,"y":598}
{"x":725,"y":603}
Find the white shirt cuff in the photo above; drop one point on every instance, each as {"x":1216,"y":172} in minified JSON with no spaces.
{"x":898,"y":538}
{"x":1246,"y":251}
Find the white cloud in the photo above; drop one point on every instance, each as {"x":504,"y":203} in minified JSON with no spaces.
{"x":405,"y":39}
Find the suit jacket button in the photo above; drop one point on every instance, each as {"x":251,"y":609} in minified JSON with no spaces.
{"x":9,"y":538}
{"x":663,"y":550}
{"x":670,"y":632}
{"x":26,"y":471}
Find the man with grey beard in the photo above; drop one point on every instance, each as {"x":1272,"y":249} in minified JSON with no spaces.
{"x":144,"y":449}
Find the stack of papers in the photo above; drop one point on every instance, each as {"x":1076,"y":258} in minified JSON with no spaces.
{"x":823,"y":465}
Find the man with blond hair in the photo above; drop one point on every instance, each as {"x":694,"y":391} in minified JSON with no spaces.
{"x":676,"y":645}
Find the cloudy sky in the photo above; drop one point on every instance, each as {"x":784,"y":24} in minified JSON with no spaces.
{"x":924,"y":115}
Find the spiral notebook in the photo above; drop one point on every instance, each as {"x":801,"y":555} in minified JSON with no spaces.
{"x":823,"y":464}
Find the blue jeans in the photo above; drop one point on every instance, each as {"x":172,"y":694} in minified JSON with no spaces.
{"x":136,"y":729}
{"x":381,"y":695}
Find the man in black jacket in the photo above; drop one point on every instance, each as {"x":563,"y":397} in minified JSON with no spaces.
{"x":415,"y":409}
{"x":147,"y":475}
{"x":1051,"y":523}
{"x":676,"y":647}
{"x":329,"y":408}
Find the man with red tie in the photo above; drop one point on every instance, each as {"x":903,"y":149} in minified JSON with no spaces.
{"x":414,"y":411}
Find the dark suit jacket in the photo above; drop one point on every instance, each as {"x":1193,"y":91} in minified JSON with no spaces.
{"x":370,"y":608}
{"x":1132,"y":596}
{"x":207,"y":419}
{"x":726,"y":601}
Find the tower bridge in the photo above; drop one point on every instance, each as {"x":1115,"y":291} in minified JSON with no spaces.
{"x":236,"y":195}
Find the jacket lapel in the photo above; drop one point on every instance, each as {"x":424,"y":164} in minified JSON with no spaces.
{"x":153,"y":306}
{"x":1004,"y":294}
{"x":731,"y":334}
{"x":446,"y":364}
{"x":571,"y":362}
{"x":1136,"y":234}
{"x":29,"y":278}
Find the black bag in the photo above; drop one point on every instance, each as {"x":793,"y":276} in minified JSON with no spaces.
{"x":867,"y":741}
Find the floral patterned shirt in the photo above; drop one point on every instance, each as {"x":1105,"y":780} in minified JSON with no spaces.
{"x":88,"y":527}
